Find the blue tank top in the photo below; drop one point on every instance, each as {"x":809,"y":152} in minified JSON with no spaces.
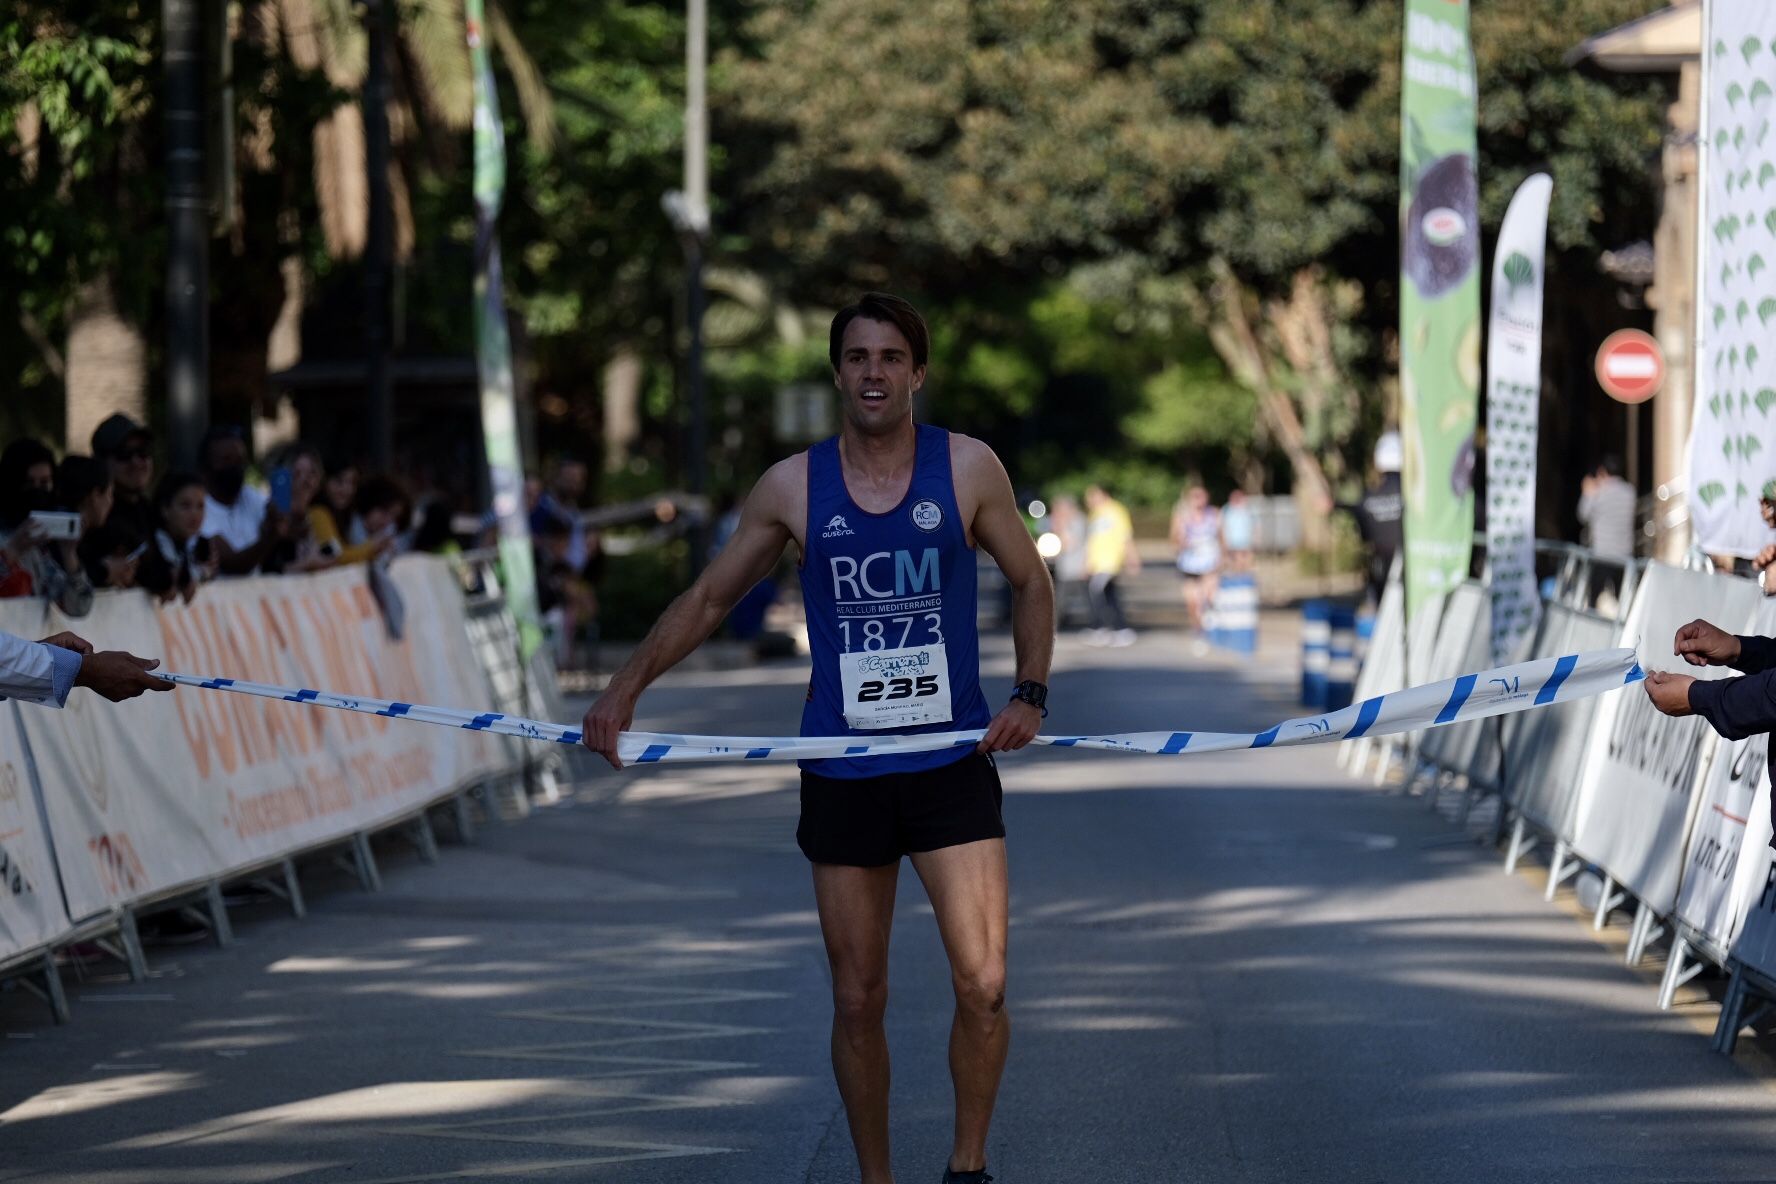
{"x":887,"y":596}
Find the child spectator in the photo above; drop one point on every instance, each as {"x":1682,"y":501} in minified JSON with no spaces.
{"x":181,"y":557}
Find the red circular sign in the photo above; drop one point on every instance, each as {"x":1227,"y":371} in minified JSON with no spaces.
{"x":1630,"y":368}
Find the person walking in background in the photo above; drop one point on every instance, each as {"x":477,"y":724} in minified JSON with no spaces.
{"x":1109,"y":553}
{"x":1067,"y":521}
{"x":1196,"y":534}
{"x":31,"y":563}
{"x":1237,"y":531}
{"x":1607,"y":511}
{"x":1378,"y":515}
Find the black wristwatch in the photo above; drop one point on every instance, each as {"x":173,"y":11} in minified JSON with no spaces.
{"x":1034,"y":693}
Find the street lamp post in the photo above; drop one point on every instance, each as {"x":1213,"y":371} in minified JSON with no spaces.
{"x":188,"y":234}
{"x":689,"y":211}
{"x":378,"y":250}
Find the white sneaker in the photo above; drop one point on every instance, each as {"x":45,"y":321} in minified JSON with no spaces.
{"x":1122,"y":637}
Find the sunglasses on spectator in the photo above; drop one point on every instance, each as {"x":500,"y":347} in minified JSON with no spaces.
{"x":140,"y":452}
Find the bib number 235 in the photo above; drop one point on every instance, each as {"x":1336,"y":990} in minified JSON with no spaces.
{"x":896,"y":688}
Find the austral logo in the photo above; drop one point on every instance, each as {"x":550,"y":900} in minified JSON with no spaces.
{"x":928,"y":515}
{"x":836,"y":527}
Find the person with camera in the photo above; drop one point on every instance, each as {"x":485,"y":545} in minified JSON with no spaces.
{"x":32,"y":562}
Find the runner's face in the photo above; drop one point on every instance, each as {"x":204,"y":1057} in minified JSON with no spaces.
{"x":876,"y":377}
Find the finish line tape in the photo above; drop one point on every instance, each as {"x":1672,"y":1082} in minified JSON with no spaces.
{"x":1508,"y":689}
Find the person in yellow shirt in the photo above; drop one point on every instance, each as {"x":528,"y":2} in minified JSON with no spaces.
{"x":1109,"y":553}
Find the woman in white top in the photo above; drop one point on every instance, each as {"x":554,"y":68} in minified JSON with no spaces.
{"x":1196,"y":533}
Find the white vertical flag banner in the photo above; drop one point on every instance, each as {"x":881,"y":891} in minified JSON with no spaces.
{"x":1513,"y":396}
{"x":1735,"y":408}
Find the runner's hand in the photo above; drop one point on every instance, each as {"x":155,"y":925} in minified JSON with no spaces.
{"x":612,"y":713}
{"x":1702,"y":644}
{"x":1670,"y":693}
{"x":1015,"y":726}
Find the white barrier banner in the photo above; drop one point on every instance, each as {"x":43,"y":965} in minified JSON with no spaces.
{"x":31,"y":912}
{"x":175,"y":789}
{"x":1545,"y":750}
{"x":1641,"y":768}
{"x":1706,"y":900}
{"x":1754,"y":890}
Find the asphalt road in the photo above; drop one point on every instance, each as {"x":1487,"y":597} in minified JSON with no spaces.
{"x":1223,"y":968}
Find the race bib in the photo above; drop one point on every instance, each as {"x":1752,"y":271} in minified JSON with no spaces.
{"x":896,"y":688}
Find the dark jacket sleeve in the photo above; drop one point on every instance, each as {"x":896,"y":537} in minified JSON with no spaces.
{"x":1737,"y":707}
{"x":1756,"y":654}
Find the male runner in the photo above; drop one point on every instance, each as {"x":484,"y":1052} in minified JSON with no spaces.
{"x":886,"y":517}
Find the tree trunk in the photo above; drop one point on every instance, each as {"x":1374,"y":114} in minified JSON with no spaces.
{"x":1234,"y":338}
{"x":107,"y":368}
{"x":622,"y":407}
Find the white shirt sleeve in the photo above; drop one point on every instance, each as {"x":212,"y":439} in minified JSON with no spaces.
{"x":36,"y":673}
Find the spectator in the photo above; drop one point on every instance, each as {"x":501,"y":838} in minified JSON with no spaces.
{"x":434,"y":534}
{"x":383,"y":509}
{"x":1237,"y":529}
{"x":240,"y":515}
{"x":1196,"y":533}
{"x":32,"y":564}
{"x":181,"y":557}
{"x":128,"y":448}
{"x":84,"y":485}
{"x":1607,"y":511}
{"x":1378,"y":514}
{"x":561,"y":501}
{"x":1766,"y":556}
{"x":1068,"y":523}
{"x":1109,"y":553}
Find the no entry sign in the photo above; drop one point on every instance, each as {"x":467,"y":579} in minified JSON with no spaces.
{"x":1630,"y":367}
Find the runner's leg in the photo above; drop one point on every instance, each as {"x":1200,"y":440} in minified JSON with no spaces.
{"x":968,"y":891}
{"x":856,"y":913}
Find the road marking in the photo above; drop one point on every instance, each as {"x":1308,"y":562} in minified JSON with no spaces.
{"x":635,"y":1152}
{"x":626,"y":1066}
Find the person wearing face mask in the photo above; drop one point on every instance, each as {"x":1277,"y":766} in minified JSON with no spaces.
{"x":234,"y":511}
{"x":31,"y":564}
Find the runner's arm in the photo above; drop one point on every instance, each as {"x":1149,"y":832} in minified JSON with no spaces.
{"x":1000,"y":532}
{"x":688,"y":621}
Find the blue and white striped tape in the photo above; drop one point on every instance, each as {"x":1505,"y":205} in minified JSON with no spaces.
{"x":1522,"y":687}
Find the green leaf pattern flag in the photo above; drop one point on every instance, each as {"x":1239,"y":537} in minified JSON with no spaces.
{"x":1513,"y":395}
{"x":493,"y":347}
{"x":1735,"y":407}
{"x":1439,"y":296}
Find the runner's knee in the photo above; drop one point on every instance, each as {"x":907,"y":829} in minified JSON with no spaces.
{"x":860,"y":1005}
{"x":982,"y":991}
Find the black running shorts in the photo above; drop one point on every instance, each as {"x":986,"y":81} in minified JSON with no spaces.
{"x":873,"y":821}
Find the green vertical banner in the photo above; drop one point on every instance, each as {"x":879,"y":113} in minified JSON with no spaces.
{"x":1439,"y":296}
{"x":493,"y":348}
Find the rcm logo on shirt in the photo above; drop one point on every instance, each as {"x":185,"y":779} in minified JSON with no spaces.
{"x":885,"y":575}
{"x":928,"y":515}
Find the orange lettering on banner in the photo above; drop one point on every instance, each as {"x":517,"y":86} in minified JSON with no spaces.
{"x":372,"y":648}
{"x":336,"y":667}
{"x":121,"y":873}
{"x":172,"y":644}
{"x":280,"y":622}
{"x":217,"y":707}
